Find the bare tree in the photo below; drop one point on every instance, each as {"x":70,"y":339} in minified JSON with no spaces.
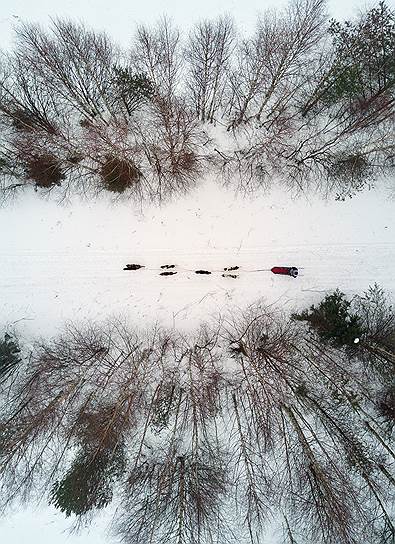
{"x":208,"y":53}
{"x":173,"y":148}
{"x":74,"y":63}
{"x":174,"y":495}
{"x":156,"y":52}
{"x":272,"y":64}
{"x":252,"y":415}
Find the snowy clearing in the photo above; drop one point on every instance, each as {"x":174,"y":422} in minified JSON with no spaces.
{"x":66,"y":262}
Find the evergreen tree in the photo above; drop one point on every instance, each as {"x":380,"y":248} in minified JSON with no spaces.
{"x":333,"y":320}
{"x":132,"y":88}
{"x":362,"y":71}
{"x":88,"y":483}
{"x":9,"y":356}
{"x":364,"y":56}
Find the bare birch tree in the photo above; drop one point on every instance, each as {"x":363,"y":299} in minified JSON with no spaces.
{"x":208,"y":54}
{"x":272,"y":64}
{"x":156,"y":52}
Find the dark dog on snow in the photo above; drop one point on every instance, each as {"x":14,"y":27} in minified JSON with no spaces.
{"x":133,"y":266}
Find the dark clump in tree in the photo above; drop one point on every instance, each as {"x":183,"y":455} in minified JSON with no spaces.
{"x":87,"y":484}
{"x":9,"y":356}
{"x":386,"y":404}
{"x":85,"y":123}
{"x":184,"y":162}
{"x":75,"y":158}
{"x":333,"y":320}
{"x":3,"y":165}
{"x":119,"y":174}
{"x":23,"y":120}
{"x":352,"y":171}
{"x":45,"y":170}
{"x":164,"y":406}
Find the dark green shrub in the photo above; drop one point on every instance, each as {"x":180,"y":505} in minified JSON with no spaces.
{"x":333,"y":320}
{"x":132,"y":89}
{"x":88,"y":483}
{"x":9,"y":356}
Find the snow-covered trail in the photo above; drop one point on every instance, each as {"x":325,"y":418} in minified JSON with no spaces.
{"x":59,"y":263}
{"x":48,"y":287}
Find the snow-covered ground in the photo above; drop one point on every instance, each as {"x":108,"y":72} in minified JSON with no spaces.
{"x":65,"y":262}
{"x":49,"y":526}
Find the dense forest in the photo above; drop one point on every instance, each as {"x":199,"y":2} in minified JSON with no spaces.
{"x":305,"y":101}
{"x":257,"y":422}
{"x":255,"y":419}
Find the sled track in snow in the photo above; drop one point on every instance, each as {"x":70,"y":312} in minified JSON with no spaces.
{"x":48,"y":287}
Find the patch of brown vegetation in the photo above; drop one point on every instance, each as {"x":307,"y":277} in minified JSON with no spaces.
{"x":119,"y":174}
{"x":44,"y":170}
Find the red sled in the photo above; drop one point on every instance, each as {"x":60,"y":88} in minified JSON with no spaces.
{"x":286,"y":270}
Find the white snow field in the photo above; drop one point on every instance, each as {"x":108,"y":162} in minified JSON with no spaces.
{"x":66,"y":262}
{"x":62,"y":262}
